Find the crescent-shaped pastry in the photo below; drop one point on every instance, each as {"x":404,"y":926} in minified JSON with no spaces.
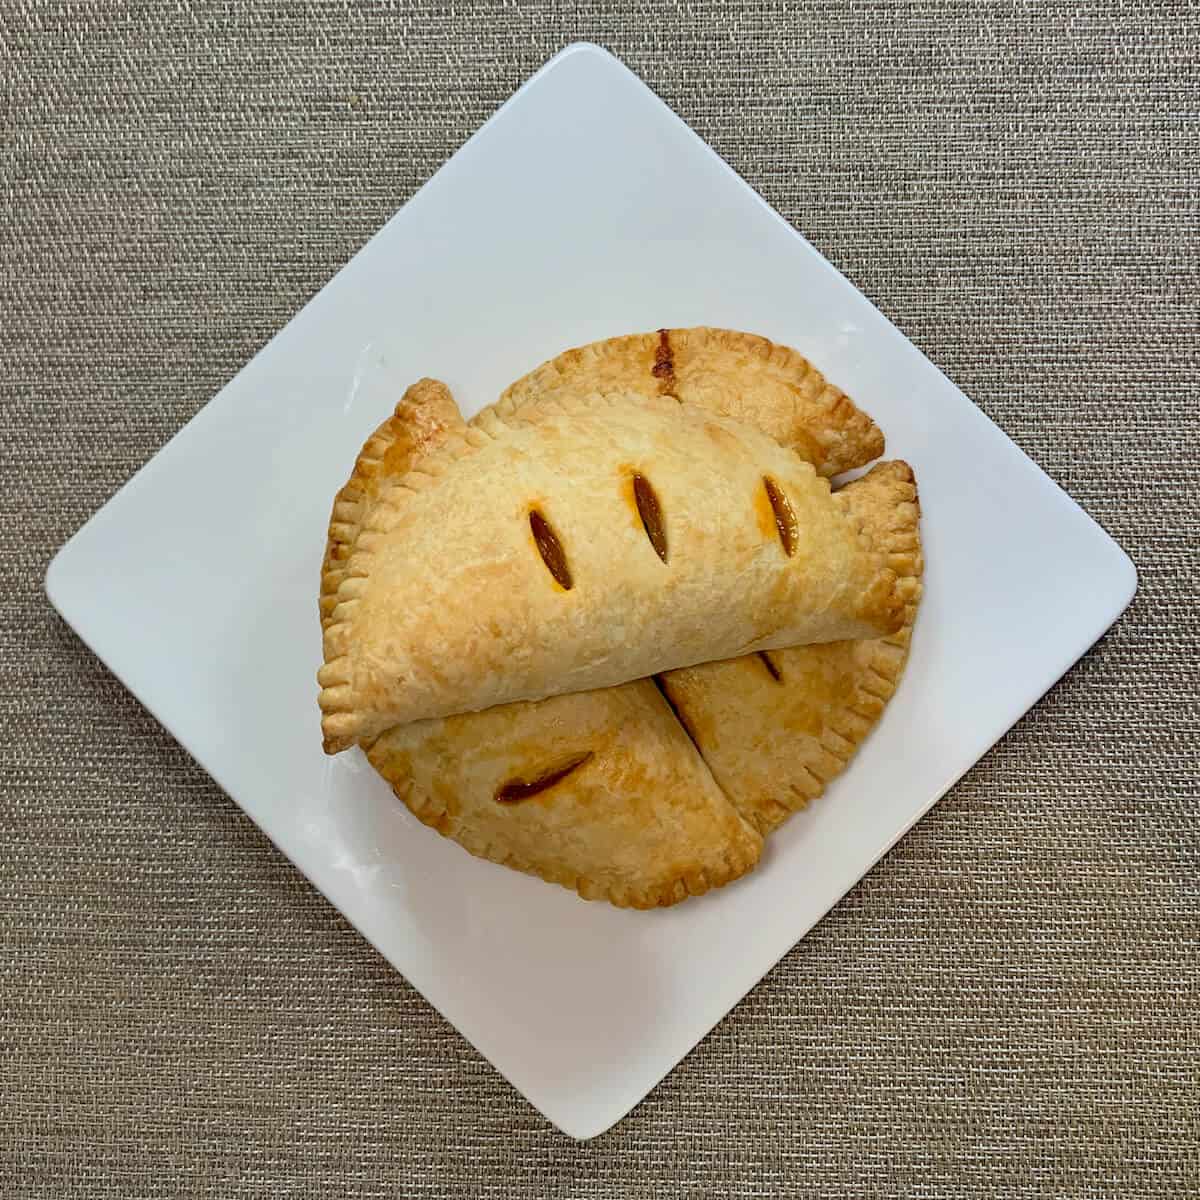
{"x":599,"y":791}
{"x":582,"y":542}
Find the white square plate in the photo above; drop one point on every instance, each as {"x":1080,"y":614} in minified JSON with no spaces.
{"x":583,"y":208}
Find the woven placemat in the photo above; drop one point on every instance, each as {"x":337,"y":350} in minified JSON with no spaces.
{"x":1007,"y":1006}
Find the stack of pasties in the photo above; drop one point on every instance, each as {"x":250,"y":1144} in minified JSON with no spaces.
{"x":616,"y":628}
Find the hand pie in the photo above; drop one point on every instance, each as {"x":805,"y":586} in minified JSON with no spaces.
{"x":739,"y":375}
{"x":583,"y":542}
{"x":776,"y":727}
{"x":599,"y":791}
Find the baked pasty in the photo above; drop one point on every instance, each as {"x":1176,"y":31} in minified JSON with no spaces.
{"x":739,"y":375}
{"x":599,"y":791}
{"x":582,"y":542}
{"x":776,"y":727}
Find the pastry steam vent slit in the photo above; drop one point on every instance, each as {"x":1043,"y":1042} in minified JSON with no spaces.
{"x":522,"y":789}
{"x":771,"y":665}
{"x":650,"y":511}
{"x":550,"y":548}
{"x":785,"y":518}
{"x":664,"y":364}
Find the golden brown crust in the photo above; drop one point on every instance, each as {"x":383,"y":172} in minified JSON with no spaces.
{"x":640,"y":773}
{"x":601,"y":792}
{"x":437,"y":617}
{"x":775,"y":732}
{"x":734,"y":374}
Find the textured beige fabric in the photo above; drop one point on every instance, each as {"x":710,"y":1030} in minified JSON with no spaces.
{"x":1006,"y":1007}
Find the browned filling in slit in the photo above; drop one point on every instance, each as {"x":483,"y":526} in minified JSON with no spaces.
{"x":521,"y":789}
{"x":550,"y":548}
{"x":785,"y":519}
{"x":771,"y":665}
{"x":651,"y":513}
{"x":664,"y":364}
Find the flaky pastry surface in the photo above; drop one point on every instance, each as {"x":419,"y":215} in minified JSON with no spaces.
{"x":517,"y":561}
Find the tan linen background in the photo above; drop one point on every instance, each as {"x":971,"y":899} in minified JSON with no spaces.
{"x":1007,"y":1006}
